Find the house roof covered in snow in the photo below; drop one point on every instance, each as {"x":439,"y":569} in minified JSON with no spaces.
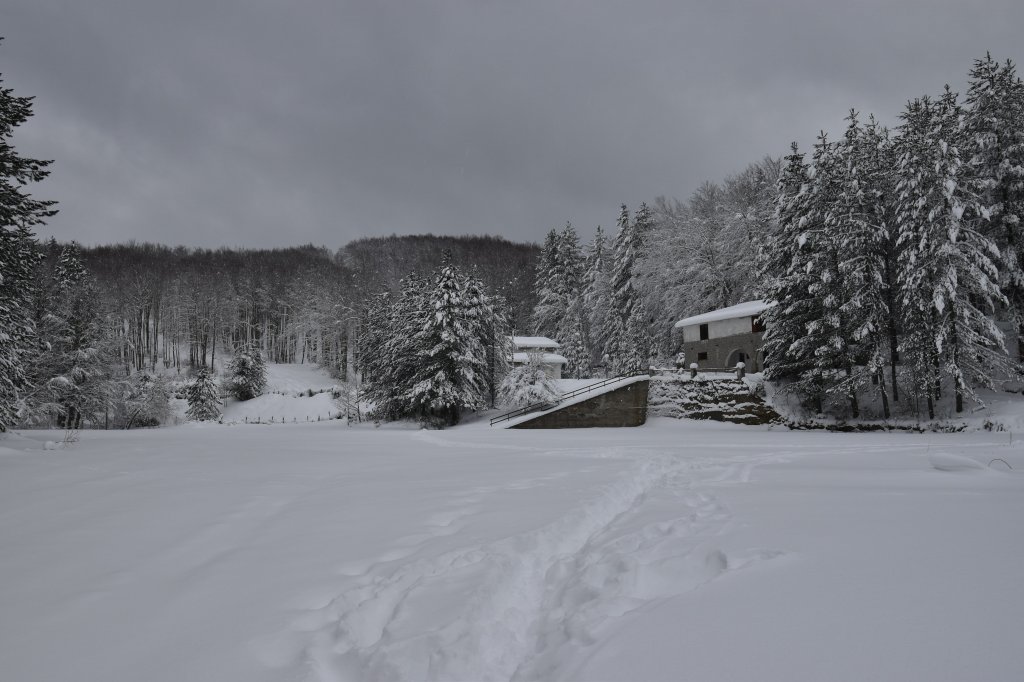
{"x":546,"y":358}
{"x":534,"y":342}
{"x":746,"y":309}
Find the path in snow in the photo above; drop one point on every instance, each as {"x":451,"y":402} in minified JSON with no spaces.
{"x":672,"y":551}
{"x":518,"y":608}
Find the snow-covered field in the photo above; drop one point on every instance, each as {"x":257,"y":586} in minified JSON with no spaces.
{"x":674,"y":551}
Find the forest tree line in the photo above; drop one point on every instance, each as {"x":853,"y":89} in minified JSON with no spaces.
{"x":891,"y":257}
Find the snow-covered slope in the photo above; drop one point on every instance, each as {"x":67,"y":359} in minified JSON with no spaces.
{"x":679,"y":550}
{"x":285,"y":399}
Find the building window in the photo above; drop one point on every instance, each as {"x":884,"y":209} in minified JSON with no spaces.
{"x":702,"y":355}
{"x":756,"y":325}
{"x":703,"y":332}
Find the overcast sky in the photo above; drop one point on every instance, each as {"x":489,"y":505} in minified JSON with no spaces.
{"x":258,"y":123}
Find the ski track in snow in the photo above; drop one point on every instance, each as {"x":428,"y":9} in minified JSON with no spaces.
{"x":522,"y":607}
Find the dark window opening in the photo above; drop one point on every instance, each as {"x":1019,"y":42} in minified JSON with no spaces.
{"x":756,"y":325}
{"x":703,"y":332}
{"x":702,"y":355}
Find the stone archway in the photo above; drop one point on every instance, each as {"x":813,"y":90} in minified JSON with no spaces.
{"x":737,"y":355}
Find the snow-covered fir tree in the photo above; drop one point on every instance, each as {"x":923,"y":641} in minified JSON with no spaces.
{"x":948,"y":275}
{"x":597,"y":294}
{"x":247,"y":374}
{"x":561,"y":311}
{"x":784,"y":269}
{"x":862,"y":220}
{"x":68,"y":371}
{"x":17,"y":260}
{"x":571,"y":329}
{"x":19,"y":213}
{"x":528,"y":384}
{"x":388,"y":351}
{"x":451,"y":372}
{"x":203,"y":398}
{"x":573,"y":338}
{"x":830,"y":337}
{"x":993,"y":156}
{"x":627,"y":335}
{"x":495,"y":334}
{"x":550,"y":287}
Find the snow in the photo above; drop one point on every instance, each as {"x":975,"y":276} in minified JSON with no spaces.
{"x":280,"y":407}
{"x":546,"y":358}
{"x":677,"y":550}
{"x":291,"y":378}
{"x":534,"y":342}
{"x":747,"y":309}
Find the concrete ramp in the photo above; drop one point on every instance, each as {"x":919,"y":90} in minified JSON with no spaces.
{"x":622,"y":402}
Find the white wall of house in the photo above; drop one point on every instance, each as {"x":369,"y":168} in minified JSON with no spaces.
{"x":719,"y":329}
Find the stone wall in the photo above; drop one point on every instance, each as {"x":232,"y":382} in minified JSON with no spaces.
{"x":624,"y":406}
{"x":716,"y":399}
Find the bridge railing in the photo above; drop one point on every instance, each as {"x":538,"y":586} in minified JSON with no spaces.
{"x":565,"y":396}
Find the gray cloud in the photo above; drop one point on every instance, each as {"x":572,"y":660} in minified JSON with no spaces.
{"x":269,"y":123}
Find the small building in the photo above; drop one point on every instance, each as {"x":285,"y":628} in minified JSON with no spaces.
{"x":543,"y":348}
{"x":721,"y":338}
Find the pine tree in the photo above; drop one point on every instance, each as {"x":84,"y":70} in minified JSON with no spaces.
{"x":452,"y":362}
{"x":549,"y":284}
{"x":785,"y":272}
{"x":859,"y":224}
{"x":68,"y":370}
{"x":573,"y":335}
{"x":830,"y":337}
{"x":19,"y":213}
{"x":948,"y":276}
{"x":624,"y":344}
{"x":597,"y":294}
{"x":17,"y":259}
{"x":496,"y":335}
{"x":572,"y":324}
{"x":637,"y":355}
{"x":247,"y":374}
{"x":487,"y":322}
{"x":993,"y":154}
{"x":389,"y":347}
{"x":203,"y":399}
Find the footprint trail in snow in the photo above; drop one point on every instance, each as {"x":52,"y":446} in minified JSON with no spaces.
{"x":525,"y":606}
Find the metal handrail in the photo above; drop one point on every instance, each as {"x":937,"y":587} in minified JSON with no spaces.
{"x":565,"y":396}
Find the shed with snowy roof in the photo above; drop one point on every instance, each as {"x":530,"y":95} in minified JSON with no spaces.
{"x":721,"y":338}
{"x":543,"y":349}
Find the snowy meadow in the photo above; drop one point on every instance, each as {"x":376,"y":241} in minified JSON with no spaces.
{"x":675,"y":551}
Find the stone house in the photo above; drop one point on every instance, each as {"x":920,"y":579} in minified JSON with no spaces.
{"x":721,"y":338}
{"x":542,"y":347}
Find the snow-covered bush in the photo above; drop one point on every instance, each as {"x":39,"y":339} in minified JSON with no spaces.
{"x":527,"y":384}
{"x":203,"y":400}
{"x":247,"y":374}
{"x":145,"y":400}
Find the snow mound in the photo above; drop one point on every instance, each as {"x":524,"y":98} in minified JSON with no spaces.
{"x":947,"y":461}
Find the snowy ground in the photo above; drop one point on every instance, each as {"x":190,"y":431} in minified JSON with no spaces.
{"x":284,"y":398}
{"x":674,"y":551}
